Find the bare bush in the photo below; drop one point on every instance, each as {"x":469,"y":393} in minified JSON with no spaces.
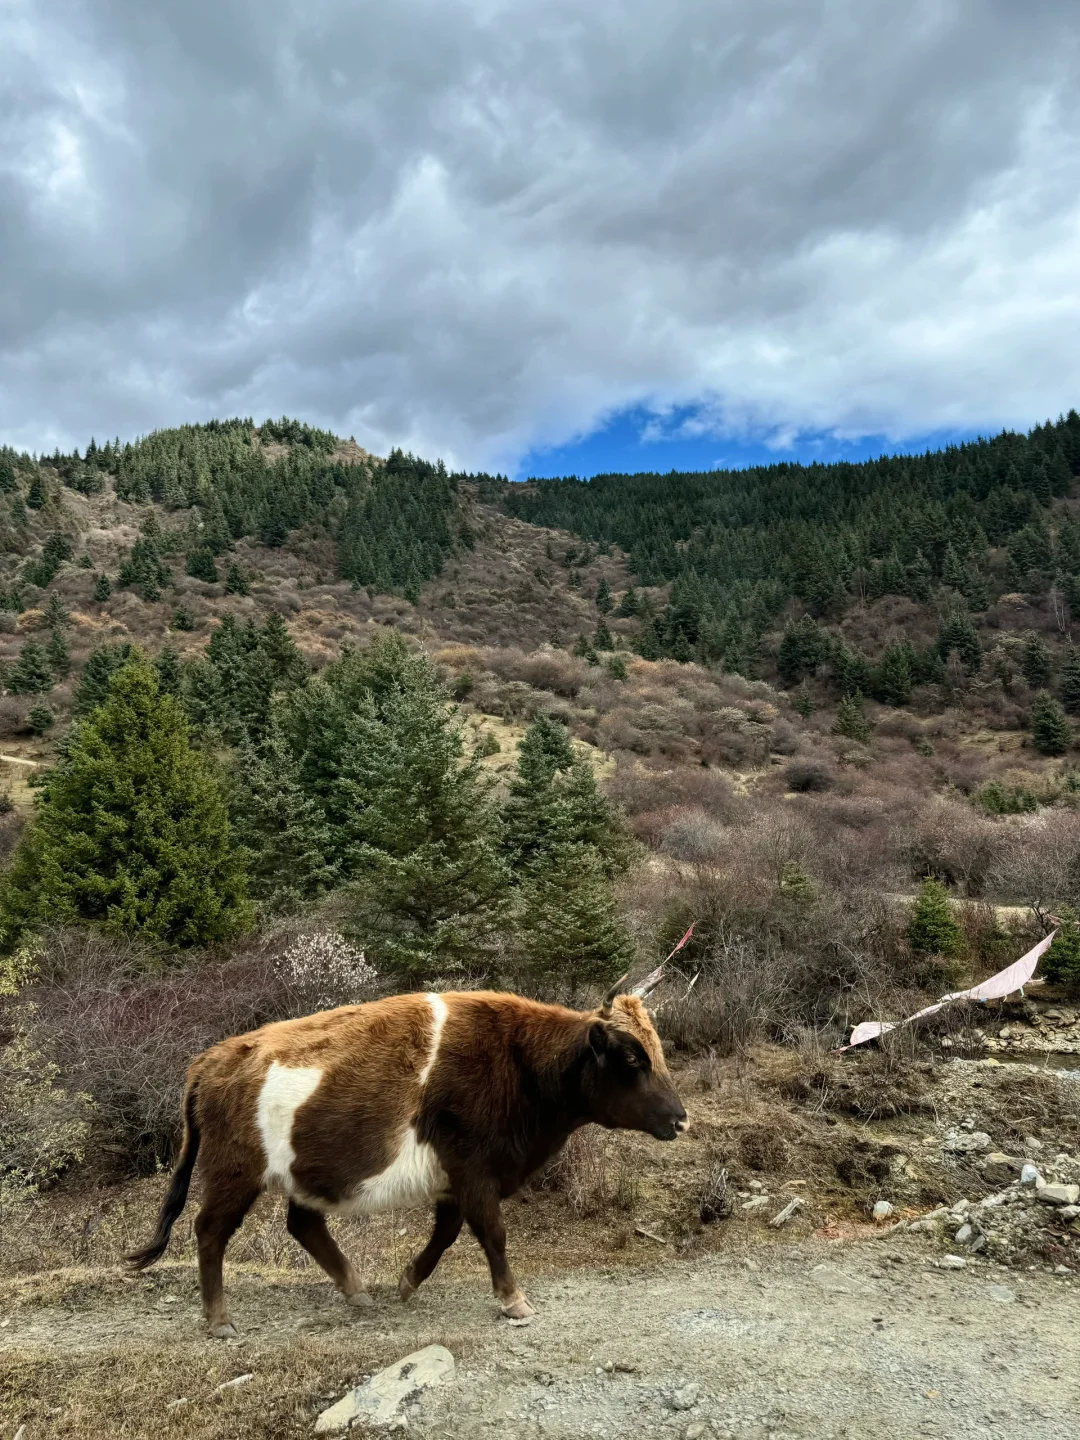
{"x":955,"y":844}
{"x":714,"y":1200}
{"x":693,"y":835}
{"x":808,"y":775}
{"x":736,"y":1000}
{"x":580,"y":1172}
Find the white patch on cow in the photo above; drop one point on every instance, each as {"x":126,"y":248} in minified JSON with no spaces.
{"x":413,"y":1177}
{"x":438,"y":1020}
{"x":283,"y":1092}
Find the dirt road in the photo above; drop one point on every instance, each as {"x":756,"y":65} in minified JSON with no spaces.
{"x":811,"y":1340}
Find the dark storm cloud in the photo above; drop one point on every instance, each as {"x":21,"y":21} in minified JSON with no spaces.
{"x":475,"y":227}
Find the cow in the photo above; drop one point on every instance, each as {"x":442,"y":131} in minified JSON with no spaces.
{"x":452,"y":1099}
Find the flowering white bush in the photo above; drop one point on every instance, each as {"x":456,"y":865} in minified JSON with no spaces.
{"x":326,"y":970}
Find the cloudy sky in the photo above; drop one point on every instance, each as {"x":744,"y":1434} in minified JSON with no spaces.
{"x":541,"y":236}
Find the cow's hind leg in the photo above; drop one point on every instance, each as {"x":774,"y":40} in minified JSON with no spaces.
{"x":448,"y":1221}
{"x":485,"y":1220}
{"x":215,"y":1225}
{"x":308,"y":1227}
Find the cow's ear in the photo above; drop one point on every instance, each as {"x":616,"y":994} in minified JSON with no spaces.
{"x":599,"y":1039}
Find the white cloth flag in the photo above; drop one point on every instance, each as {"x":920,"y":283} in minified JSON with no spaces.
{"x":1005,"y":982}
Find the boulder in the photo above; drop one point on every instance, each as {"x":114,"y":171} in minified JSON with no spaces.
{"x":380,"y":1402}
{"x":1059,"y":1194}
{"x":999,"y":1169}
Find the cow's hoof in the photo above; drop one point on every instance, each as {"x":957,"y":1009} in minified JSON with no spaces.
{"x":518,"y":1309}
{"x":225,"y":1330}
{"x":360,"y":1298}
{"x":406,"y":1289}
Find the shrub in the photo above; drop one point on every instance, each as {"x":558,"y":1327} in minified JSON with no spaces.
{"x":808,"y":775}
{"x":325,"y":970}
{"x":694,"y":835}
{"x":1061,"y":963}
{"x":43,"y":1127}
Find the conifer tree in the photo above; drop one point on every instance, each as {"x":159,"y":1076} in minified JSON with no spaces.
{"x":603,"y":597}
{"x":282,"y":834}
{"x":1051,"y":733}
{"x":130,"y":830}
{"x":236,"y":582}
{"x":169,"y":673}
{"x":893,"y":678}
{"x":101,"y":665}
{"x":1061,"y":963}
{"x":1035,"y":661}
{"x":36,"y":496}
{"x":102,"y":588}
{"x":603,"y":639}
{"x":8,"y":482}
{"x":570,"y":932}
{"x":957,"y":633}
{"x":58,"y":655}
{"x":202,"y":566}
{"x":31,"y":674}
{"x":628,"y":606}
{"x":1069,"y":683}
{"x":57,"y":615}
{"x":851,"y":719}
{"x":932,"y":928}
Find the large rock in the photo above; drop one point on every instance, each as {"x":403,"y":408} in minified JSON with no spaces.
{"x":1059,"y":1194}
{"x":1000,"y":1169}
{"x":379,"y":1403}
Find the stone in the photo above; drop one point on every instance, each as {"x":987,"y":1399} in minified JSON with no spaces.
{"x":380,"y":1401}
{"x":1001,"y":1293}
{"x":834,"y":1282}
{"x":1029,"y":1175}
{"x":1069,"y":1212}
{"x":962,"y":1142}
{"x":1059,"y":1194}
{"x":883,"y":1209}
{"x":965,"y":1234}
{"x":686,"y":1397}
{"x":999,"y":1168}
{"x":952,"y":1262}
{"x":695,"y":1431}
{"x":756,"y":1202}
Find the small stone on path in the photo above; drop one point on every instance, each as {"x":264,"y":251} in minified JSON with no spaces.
{"x":379,"y":1402}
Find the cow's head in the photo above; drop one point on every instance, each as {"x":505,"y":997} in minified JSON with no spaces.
{"x":626,"y":1080}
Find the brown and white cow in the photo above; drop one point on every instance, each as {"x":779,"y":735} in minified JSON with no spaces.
{"x":451,"y":1098}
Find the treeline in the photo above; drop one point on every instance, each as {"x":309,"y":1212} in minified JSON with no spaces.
{"x":189,"y":798}
{"x":394,"y":521}
{"x":738,"y":546}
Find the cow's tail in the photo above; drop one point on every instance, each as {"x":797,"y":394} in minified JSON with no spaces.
{"x":176,"y":1198}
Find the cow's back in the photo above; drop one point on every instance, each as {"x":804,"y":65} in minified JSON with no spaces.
{"x":322,"y":1108}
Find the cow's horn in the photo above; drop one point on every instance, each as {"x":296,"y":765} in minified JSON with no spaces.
{"x":609,"y":998}
{"x":649,"y":984}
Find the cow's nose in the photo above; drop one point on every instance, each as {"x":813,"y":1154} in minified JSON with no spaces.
{"x":682,"y":1121}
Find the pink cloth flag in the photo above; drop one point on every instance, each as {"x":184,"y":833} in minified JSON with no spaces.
{"x":1005,"y":982}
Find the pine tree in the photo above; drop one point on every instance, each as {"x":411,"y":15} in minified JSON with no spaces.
{"x":202,"y":566}
{"x":169,"y":673}
{"x":1035,"y":661}
{"x":603,"y":639}
{"x":628,"y":606}
{"x":57,"y":615}
{"x":1069,"y":683}
{"x":58,"y":655}
{"x":1051,"y":733}
{"x":101,"y":665}
{"x":39,"y":719}
{"x":570,"y":931}
{"x":31,"y":674}
{"x":102,"y":588}
{"x":8,"y":482}
{"x":282,"y":834}
{"x":603,"y":597}
{"x":918,"y":577}
{"x":932,"y":928}
{"x":236,"y":582}
{"x":36,"y":496}
{"x":851,"y":719}
{"x":893,"y":679}
{"x":957,"y":633}
{"x":431,"y":892}
{"x":1061,"y":963}
{"x":130,"y":830}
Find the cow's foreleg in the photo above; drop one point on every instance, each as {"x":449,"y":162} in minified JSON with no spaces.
{"x":308,"y":1228}
{"x":448,"y":1221}
{"x":484,"y":1215}
{"x":215,"y":1225}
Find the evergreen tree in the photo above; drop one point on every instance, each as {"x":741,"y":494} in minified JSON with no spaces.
{"x":31,"y":674}
{"x":957,"y":633}
{"x":851,"y":719}
{"x":57,"y":615}
{"x":102,"y":588}
{"x":58,"y":655}
{"x":893,"y":678}
{"x":36,"y":496}
{"x":8,"y":482}
{"x":236,"y":582}
{"x":603,"y":639}
{"x":1035,"y":661}
{"x":202,"y":566}
{"x":918,"y":577}
{"x":281,"y":833}
{"x":932,"y":928}
{"x":39,"y":719}
{"x":1061,"y":963}
{"x":431,"y":892}
{"x":803,"y":647}
{"x":1069,"y":683}
{"x":169,"y":673}
{"x":628,"y":605}
{"x":603,"y":598}
{"x":1051,"y":733}
{"x":130,"y":830}
{"x":101,"y":665}
{"x":570,"y":932}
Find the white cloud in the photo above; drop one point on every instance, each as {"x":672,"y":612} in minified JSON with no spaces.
{"x":474,"y":227}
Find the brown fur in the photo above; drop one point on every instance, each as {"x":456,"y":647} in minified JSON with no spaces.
{"x":511,"y":1079}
